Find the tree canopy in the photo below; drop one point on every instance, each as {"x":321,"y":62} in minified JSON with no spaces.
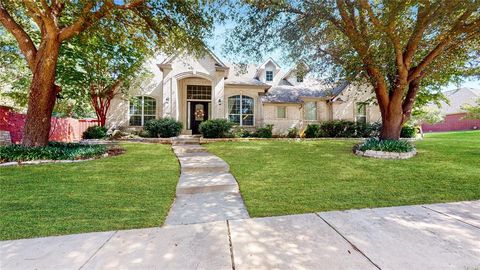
{"x":402,"y":48}
{"x":41,"y":27}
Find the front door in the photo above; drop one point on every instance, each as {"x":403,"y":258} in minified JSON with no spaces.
{"x":198,"y":114}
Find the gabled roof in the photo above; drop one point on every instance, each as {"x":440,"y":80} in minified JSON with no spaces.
{"x":294,"y":69}
{"x":457,"y":99}
{"x":262,"y":66}
{"x":244,"y":75}
{"x":217,"y":60}
{"x":296,"y":94}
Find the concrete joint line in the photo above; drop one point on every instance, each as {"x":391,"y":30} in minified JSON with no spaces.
{"x":447,"y":215}
{"x":95,"y":253}
{"x":348,"y":241}
{"x":231,"y":245}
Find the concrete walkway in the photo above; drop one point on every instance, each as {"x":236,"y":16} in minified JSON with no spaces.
{"x":206,"y":191}
{"x":438,"y":236}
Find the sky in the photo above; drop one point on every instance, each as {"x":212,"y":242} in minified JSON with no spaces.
{"x":219,"y":36}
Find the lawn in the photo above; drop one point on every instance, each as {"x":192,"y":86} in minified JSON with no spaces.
{"x":133,"y":190}
{"x":280,"y":177}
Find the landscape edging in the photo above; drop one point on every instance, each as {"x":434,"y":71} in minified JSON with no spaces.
{"x":386,"y":155}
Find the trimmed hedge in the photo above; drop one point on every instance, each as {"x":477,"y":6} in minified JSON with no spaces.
{"x":216,"y":128}
{"x":386,"y":145}
{"x":163,"y":128}
{"x":349,"y":129}
{"x":264,"y":132}
{"x":312,"y":131}
{"x":95,"y":132}
{"x":53,"y":151}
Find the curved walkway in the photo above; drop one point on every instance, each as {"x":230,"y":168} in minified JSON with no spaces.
{"x":206,"y":191}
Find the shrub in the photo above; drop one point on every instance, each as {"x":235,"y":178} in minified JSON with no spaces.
{"x":163,"y":128}
{"x":386,"y":145}
{"x":312,"y":131}
{"x":367,"y":130}
{"x":54,"y":150}
{"x":337,"y":128}
{"x":408,"y":132}
{"x":264,"y":132}
{"x":240,"y":132}
{"x":293,"y":133}
{"x":95,"y":132}
{"x":216,"y":128}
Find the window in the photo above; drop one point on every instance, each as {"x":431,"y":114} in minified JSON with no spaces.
{"x":299,"y":78}
{"x":311,"y":110}
{"x":269,"y":75}
{"x":240,"y":110}
{"x":281,"y":112}
{"x":202,"y":92}
{"x":142,"y":109}
{"x":361,"y":115}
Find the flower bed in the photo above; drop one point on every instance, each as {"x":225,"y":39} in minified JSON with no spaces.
{"x":54,"y":152}
{"x":386,"y":149}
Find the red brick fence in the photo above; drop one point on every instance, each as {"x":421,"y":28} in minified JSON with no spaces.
{"x":62,"y":130}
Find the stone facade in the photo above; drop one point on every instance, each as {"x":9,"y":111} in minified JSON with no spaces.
{"x":175,"y":79}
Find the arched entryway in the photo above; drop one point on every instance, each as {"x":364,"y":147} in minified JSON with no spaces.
{"x":195,"y":101}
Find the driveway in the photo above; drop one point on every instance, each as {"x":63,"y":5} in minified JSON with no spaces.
{"x":438,"y":236}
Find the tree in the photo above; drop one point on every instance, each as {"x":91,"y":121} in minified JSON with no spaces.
{"x":41,"y":27}
{"x":100,"y":65}
{"x":473,"y":111}
{"x":425,"y":115}
{"x":399,"y":47}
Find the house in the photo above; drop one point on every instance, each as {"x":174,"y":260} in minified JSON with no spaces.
{"x":453,"y":112}
{"x":192,"y":89}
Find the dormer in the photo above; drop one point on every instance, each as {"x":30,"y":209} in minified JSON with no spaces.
{"x":296,"y":75}
{"x":267,"y":71}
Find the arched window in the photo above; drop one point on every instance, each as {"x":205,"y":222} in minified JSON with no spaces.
{"x":241,"y":109}
{"x":142,"y":109}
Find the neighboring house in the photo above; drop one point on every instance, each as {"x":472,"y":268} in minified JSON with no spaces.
{"x":194,"y":89}
{"x":453,"y":113}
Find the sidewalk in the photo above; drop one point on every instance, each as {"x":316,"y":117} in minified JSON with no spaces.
{"x":438,"y":236}
{"x":206,"y":190}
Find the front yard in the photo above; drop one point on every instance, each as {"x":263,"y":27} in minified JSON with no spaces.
{"x":136,"y":189}
{"x":280,"y":178}
{"x":133,"y":190}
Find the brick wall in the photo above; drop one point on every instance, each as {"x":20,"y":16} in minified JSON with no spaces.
{"x":453,"y":122}
{"x":62,"y":129}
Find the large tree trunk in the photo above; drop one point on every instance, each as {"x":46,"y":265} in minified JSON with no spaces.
{"x":392,"y":122}
{"x":42,"y":95}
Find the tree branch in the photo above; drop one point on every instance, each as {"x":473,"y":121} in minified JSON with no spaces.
{"x":458,"y":28}
{"x":87,"y":18}
{"x":26,"y":45}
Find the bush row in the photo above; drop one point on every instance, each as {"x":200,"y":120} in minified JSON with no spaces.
{"x":221,"y":128}
{"x":349,"y":129}
{"x":54,"y":151}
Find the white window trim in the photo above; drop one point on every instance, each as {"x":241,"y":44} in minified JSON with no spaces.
{"x":142,"y":114}
{"x":266,"y":76}
{"x":241,"y":118}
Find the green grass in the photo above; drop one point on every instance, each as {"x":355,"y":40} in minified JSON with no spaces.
{"x":279,"y":177}
{"x":133,"y":190}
